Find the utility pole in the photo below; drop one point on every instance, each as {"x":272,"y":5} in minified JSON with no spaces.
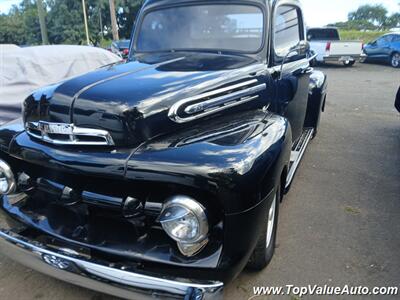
{"x":114,"y":27}
{"x":42,"y":21}
{"x":86,"y":23}
{"x":101,"y":23}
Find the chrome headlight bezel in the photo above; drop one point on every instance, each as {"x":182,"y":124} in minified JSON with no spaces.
{"x":6,"y":172}
{"x":191,"y":206}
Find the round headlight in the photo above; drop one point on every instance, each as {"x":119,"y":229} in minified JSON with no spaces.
{"x":7,"y":181}
{"x":184,"y":220}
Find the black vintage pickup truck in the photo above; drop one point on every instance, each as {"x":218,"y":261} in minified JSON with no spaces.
{"x":162,"y":176}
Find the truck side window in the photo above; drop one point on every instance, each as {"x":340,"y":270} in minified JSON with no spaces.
{"x":286,"y":29}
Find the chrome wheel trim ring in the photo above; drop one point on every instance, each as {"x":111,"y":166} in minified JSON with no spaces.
{"x":271,"y":221}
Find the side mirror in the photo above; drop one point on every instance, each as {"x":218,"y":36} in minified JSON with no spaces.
{"x":302,"y":47}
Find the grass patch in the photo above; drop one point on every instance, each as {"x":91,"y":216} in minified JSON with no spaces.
{"x":365,"y":37}
{"x":104,"y":43}
{"x":352,"y":211}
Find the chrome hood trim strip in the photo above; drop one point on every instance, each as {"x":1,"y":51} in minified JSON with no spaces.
{"x":205,"y":108}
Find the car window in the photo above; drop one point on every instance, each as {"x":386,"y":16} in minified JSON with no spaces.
{"x":384,"y":40}
{"x":233,"y":27}
{"x":326,"y":34}
{"x":287,"y":27}
{"x":396,"y":38}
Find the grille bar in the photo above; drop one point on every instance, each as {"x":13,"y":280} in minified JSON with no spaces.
{"x":68,"y":134}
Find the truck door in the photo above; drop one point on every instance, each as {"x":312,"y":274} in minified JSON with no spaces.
{"x":292,"y":78}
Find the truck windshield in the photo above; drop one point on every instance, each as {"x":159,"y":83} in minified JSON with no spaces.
{"x":237,"y":28}
{"x":323,"y":35}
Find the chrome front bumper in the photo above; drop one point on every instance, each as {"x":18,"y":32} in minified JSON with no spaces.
{"x":363,"y":57}
{"x":102,"y":277}
{"x":341,"y":58}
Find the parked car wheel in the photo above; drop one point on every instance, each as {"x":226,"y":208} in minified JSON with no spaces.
{"x":349,"y":63}
{"x":265,"y":248}
{"x":395,"y":60}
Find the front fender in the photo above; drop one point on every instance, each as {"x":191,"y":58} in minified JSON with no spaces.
{"x":316,"y":98}
{"x":8,"y":132}
{"x":236,"y":159}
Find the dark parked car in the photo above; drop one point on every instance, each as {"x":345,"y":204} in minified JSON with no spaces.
{"x":121,"y":47}
{"x":163,"y":176}
{"x":384,"y":49}
{"x":397,"y":101}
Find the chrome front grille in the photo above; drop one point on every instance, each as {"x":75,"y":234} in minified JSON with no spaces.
{"x":68,"y":134}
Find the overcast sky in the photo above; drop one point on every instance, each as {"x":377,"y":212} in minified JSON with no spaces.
{"x":318,"y":12}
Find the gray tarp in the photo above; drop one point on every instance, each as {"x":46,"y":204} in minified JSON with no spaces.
{"x":23,"y":70}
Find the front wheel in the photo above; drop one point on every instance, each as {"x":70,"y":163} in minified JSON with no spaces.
{"x":265,"y":248}
{"x":349,"y":63}
{"x":395,"y":60}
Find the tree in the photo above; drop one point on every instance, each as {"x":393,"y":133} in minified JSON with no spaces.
{"x":64,"y":21}
{"x":370,"y":17}
{"x":12,"y":28}
{"x":393,"y":21}
{"x":373,"y":14}
{"x":99,"y":20}
{"x":21,"y":25}
{"x":126,"y":15}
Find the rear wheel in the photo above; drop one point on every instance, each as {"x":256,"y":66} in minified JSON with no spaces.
{"x":265,"y":247}
{"x":349,"y":63}
{"x":395,"y":60}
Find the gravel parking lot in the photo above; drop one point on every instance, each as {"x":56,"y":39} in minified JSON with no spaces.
{"x":340,"y":222}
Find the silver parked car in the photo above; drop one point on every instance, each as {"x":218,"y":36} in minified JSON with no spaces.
{"x":24,"y":70}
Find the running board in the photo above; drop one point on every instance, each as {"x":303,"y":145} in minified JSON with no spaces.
{"x":298,"y":151}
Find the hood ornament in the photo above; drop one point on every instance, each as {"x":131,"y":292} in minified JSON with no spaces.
{"x":68,"y":134}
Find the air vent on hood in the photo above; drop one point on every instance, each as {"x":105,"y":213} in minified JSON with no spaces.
{"x":68,"y":134}
{"x":202,"y":105}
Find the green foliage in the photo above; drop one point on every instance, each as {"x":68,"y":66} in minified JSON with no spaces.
{"x":393,"y":21}
{"x":64,"y":21}
{"x":372,"y":14}
{"x":355,"y":25}
{"x":105,"y":43}
{"x":21,"y":26}
{"x":364,"y":36}
{"x":370,"y":17}
{"x":127,"y":16}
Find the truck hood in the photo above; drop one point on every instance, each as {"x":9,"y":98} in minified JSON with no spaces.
{"x":131,"y":100}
